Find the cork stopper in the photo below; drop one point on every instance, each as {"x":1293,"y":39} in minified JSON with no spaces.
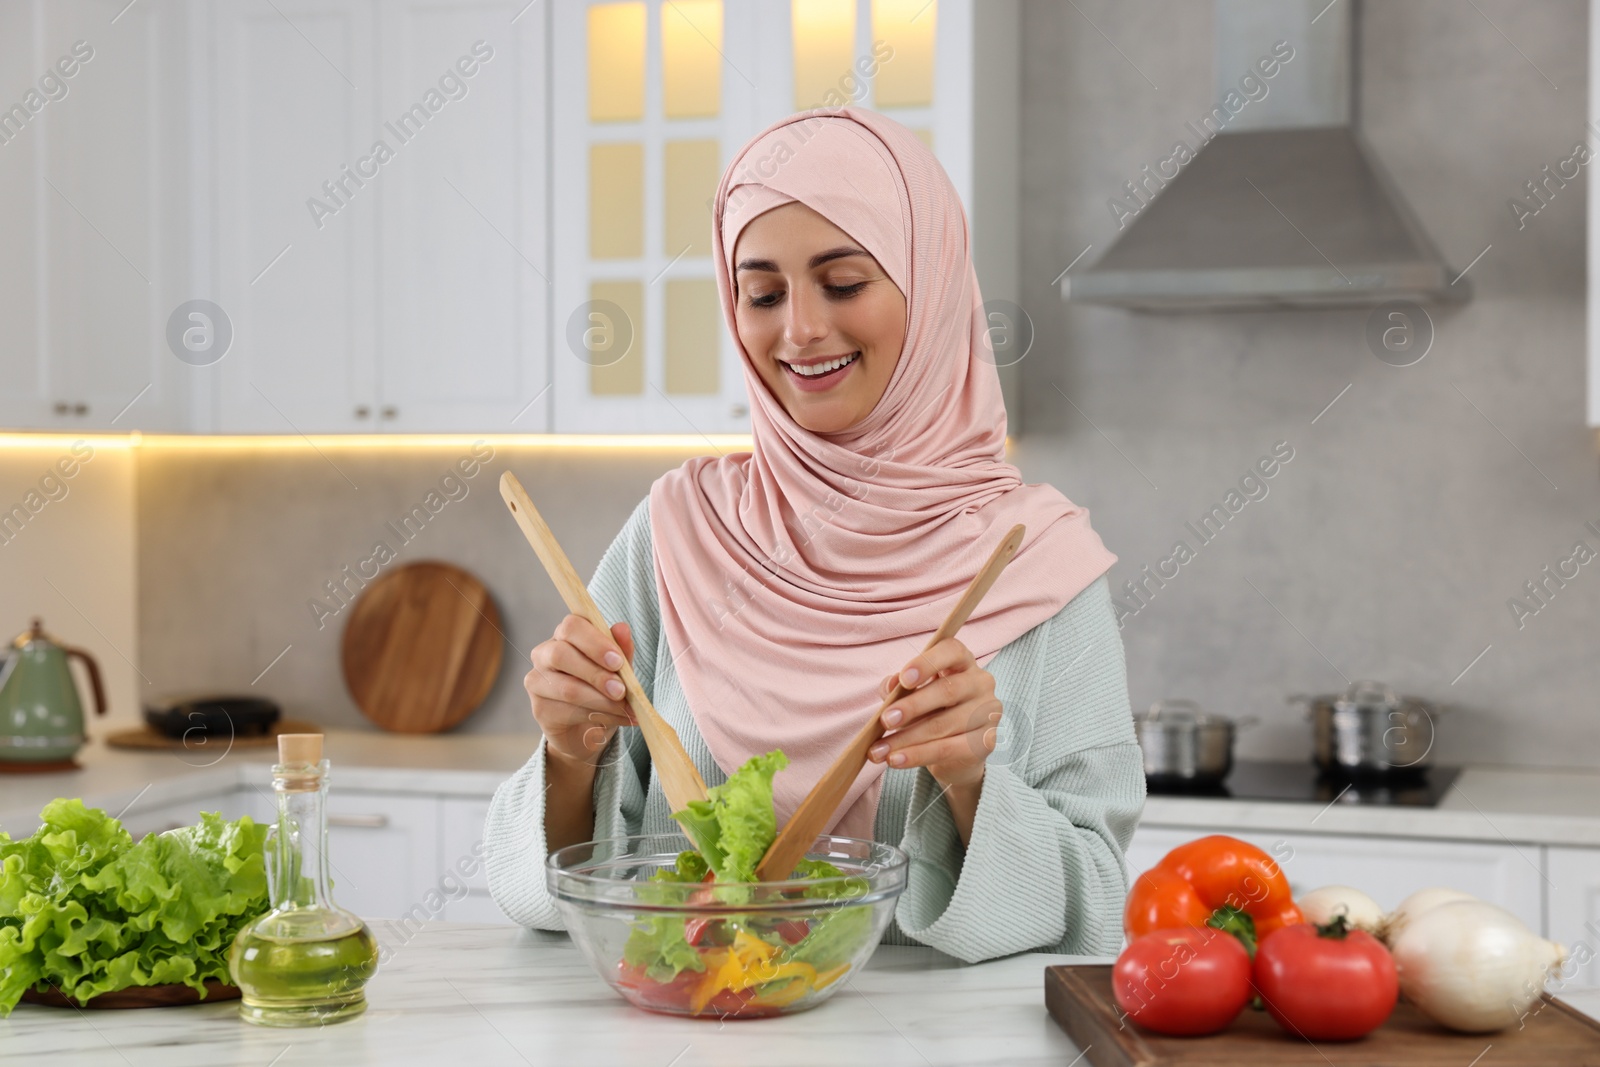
{"x":299,"y":767}
{"x":300,"y":748}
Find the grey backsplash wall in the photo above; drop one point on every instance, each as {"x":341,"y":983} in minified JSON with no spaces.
{"x":1388,"y":545}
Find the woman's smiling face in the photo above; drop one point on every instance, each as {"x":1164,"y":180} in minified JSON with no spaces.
{"x":809,"y":295}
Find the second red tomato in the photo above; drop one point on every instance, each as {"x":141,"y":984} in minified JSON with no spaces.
{"x":1326,"y":983}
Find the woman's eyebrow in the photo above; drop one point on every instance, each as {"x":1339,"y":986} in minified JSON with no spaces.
{"x":816,"y":261}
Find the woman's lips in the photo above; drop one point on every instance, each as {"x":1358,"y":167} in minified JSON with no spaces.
{"x":821,"y":381}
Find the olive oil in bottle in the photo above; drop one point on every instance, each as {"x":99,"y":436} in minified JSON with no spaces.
{"x":307,"y":961}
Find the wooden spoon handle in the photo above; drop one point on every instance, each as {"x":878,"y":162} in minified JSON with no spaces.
{"x":680,"y":779}
{"x":823,"y":800}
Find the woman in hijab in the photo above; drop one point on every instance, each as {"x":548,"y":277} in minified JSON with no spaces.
{"x":762,"y":594}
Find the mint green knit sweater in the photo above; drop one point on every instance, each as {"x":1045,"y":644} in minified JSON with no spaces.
{"x":1061,"y":796}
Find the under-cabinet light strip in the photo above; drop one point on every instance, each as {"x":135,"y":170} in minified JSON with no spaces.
{"x":200,"y":442}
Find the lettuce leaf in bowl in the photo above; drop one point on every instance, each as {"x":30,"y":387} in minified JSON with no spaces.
{"x":86,"y":909}
{"x":736,"y":822}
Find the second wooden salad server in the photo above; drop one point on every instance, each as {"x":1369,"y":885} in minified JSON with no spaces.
{"x":819,"y":805}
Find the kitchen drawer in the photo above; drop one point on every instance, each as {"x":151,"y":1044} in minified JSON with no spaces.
{"x":1573,"y":888}
{"x":1388,"y":869}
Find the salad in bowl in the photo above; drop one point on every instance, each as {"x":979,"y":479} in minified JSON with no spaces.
{"x":689,"y":931}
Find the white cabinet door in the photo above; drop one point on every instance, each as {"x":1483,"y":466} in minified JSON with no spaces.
{"x":295,"y":230}
{"x":466,"y":893}
{"x":141,"y":819}
{"x":87,"y":208}
{"x":464,"y":291}
{"x":1574,"y":910}
{"x":25,"y":402}
{"x":1387,"y":869}
{"x":383,"y":851}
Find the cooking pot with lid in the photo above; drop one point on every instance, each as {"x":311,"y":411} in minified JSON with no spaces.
{"x":1371,"y":729}
{"x":1184,"y":745}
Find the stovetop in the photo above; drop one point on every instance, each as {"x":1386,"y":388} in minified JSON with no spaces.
{"x":1295,"y":781}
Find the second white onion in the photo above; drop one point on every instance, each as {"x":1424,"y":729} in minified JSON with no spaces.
{"x":1472,"y":966}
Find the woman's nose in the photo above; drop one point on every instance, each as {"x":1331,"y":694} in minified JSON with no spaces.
{"x":807,"y":321}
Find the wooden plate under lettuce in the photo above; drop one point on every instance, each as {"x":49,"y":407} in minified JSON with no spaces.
{"x":1080,"y":999}
{"x":138,"y":996}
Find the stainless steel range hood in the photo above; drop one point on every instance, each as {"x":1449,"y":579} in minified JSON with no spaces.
{"x":1281,"y":203}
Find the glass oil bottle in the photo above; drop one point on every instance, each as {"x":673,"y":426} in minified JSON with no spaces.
{"x":307,"y":961}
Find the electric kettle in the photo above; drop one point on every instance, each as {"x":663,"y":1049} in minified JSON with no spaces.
{"x":41,"y":718}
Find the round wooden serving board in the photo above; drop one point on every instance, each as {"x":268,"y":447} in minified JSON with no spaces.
{"x":422,"y":648}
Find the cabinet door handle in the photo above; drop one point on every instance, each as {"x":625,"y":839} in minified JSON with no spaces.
{"x":80,"y":409}
{"x":739,"y":411}
{"x":63,"y":408}
{"x":360,"y":822}
{"x":390,"y":411}
{"x":362,"y":411}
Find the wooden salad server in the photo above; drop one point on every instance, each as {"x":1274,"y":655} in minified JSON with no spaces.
{"x":813,"y":814}
{"x":680,"y":779}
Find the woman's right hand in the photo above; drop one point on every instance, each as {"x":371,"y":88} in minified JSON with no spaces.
{"x":578,"y":696}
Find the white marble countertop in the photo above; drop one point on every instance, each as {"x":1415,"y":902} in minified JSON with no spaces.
{"x":111,"y":778}
{"x":494,"y":996}
{"x":1499,"y":804}
{"x":1487,"y":803}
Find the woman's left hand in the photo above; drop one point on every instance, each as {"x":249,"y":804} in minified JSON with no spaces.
{"x":947,"y":722}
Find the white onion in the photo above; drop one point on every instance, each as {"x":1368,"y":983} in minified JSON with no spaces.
{"x":1417,"y":903}
{"x":1360,"y":911}
{"x":1472,"y":966}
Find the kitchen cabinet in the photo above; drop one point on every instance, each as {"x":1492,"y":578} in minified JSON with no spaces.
{"x":1573,"y":884}
{"x":415,"y":857}
{"x":91,"y":262}
{"x":1388,"y":869}
{"x":463,"y":269}
{"x":140,"y":819}
{"x":300,"y":294}
{"x":441,"y":215}
{"x":384,"y":852}
{"x":380,"y":214}
{"x":659,"y":96}
{"x":465,"y":878}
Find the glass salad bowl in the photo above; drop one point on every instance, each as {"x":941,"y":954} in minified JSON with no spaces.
{"x":670,"y":942}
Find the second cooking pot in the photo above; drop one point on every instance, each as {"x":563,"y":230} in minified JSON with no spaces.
{"x":1182,"y":744}
{"x":1371,"y":729}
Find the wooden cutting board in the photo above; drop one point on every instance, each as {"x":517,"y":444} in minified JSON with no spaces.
{"x":422,"y":648}
{"x":1080,"y":999}
{"x":145,"y":738}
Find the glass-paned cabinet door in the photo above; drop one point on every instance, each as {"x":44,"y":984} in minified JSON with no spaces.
{"x":650,"y":100}
{"x":878,"y":54}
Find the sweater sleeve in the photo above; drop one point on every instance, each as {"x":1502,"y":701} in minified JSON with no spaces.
{"x":514,"y":843}
{"x":1061,"y":796}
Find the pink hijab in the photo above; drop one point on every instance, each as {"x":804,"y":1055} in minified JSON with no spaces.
{"x":792,"y":579}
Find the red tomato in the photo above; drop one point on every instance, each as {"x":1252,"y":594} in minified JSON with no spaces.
{"x":1192,"y":980}
{"x":674,"y":997}
{"x":1326,"y":983}
{"x":651,"y":995}
{"x":793,"y":931}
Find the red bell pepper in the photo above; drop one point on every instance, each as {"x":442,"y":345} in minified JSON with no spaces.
{"x":1214,"y":881}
